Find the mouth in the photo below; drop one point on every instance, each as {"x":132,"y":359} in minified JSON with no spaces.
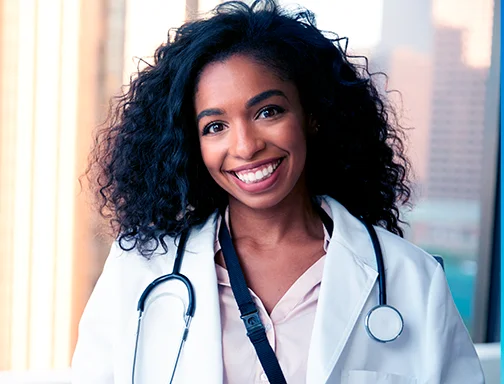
{"x":258,"y":174}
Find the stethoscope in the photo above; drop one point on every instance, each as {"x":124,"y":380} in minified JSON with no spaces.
{"x":191,"y":306}
{"x":383,"y":323}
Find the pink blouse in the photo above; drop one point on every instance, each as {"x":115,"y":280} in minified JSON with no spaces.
{"x":288,"y":327}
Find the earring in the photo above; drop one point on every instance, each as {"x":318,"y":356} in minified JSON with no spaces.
{"x":315,"y":127}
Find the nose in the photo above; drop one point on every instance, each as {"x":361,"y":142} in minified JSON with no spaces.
{"x":246,"y":141}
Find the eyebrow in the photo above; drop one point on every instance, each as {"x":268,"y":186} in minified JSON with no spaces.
{"x":209,"y":112}
{"x":253,"y":101}
{"x":263,"y":96}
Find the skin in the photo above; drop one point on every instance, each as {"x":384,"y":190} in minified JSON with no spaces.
{"x":246,"y":115}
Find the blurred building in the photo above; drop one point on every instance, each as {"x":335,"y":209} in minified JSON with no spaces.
{"x":442,"y":94}
{"x":411,"y":73}
{"x":447,"y":216}
{"x":405,"y":54}
{"x":457,"y":121}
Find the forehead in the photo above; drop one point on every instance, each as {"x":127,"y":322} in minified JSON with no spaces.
{"x":236,"y":80}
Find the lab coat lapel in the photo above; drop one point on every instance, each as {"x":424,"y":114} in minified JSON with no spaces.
{"x":346,"y":285}
{"x":201,"y":360}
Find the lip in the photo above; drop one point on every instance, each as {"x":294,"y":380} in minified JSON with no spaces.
{"x":254,"y":165}
{"x":261,"y":186}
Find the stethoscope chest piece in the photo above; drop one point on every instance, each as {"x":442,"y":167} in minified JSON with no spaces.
{"x":384,"y":323}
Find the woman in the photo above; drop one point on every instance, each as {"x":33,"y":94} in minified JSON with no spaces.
{"x":253,"y":133}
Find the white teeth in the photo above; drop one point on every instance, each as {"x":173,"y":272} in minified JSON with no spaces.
{"x":252,"y":177}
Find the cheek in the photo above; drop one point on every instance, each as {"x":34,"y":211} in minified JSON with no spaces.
{"x":298,"y":150}
{"x":301,"y":154}
{"x":212,"y":157}
{"x":296,"y":140}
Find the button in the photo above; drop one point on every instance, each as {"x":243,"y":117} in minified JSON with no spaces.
{"x":264,"y":378}
{"x":267,"y":327}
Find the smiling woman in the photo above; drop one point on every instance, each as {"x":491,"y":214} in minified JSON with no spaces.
{"x":255,"y":174}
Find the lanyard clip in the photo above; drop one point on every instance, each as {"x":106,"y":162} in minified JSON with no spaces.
{"x":252,"y":322}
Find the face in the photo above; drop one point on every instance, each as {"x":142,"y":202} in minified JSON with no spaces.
{"x":252,"y":131}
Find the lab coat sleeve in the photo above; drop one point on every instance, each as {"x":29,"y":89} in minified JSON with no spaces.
{"x":449,"y":356}
{"x":92,"y":360}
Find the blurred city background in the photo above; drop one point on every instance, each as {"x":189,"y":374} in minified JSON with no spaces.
{"x":61,"y":61}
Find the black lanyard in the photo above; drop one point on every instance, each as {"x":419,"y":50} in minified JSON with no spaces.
{"x":248,"y":310}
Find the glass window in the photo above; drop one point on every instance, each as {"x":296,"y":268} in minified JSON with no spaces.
{"x":437,"y":54}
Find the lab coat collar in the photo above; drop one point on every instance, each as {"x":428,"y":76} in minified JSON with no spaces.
{"x":348,"y":278}
{"x":351,"y":233}
{"x":204,"y":342}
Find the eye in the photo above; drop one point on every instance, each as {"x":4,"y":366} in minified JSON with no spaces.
{"x":269,"y":111}
{"x":213,"y":128}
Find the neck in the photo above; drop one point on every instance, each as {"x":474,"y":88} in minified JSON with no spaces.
{"x":293,"y":219}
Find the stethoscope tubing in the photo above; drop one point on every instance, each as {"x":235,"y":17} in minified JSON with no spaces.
{"x":328,"y":223}
{"x":382,"y":289}
{"x":172,"y":276}
{"x":191,"y":306}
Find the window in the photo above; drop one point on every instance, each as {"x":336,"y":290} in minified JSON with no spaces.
{"x":447,"y":101}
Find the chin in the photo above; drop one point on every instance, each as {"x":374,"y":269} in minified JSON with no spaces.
{"x":262,"y":201}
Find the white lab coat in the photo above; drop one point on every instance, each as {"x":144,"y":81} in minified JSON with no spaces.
{"x":433,"y":348}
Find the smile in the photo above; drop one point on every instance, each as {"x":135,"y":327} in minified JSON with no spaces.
{"x":256,"y":175}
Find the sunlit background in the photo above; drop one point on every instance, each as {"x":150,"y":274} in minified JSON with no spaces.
{"x":62,"y":60}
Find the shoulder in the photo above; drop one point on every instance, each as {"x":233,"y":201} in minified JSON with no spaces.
{"x":397,"y":251}
{"x":400,"y":251}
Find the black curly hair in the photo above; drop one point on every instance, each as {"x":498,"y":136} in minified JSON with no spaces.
{"x":146,"y":164}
